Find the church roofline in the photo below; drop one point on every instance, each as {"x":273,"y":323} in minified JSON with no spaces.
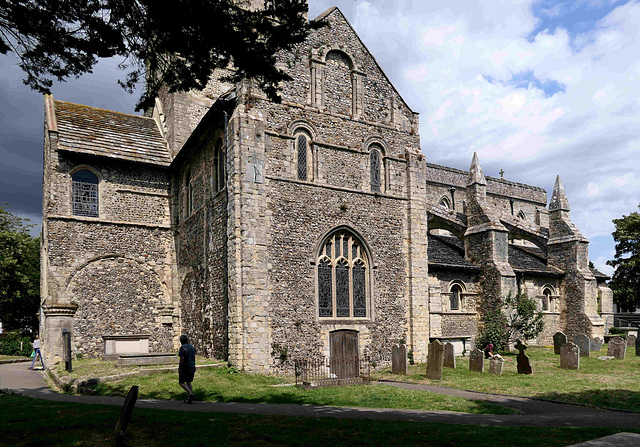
{"x":489,"y":178}
{"x":333,"y":9}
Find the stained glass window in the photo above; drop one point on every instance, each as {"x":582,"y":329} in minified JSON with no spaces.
{"x":84,"y":185}
{"x":342,"y":289}
{"x":302,"y":157}
{"x":342,"y":277}
{"x":359,"y":287}
{"x":374,"y":161}
{"x":325,"y":296}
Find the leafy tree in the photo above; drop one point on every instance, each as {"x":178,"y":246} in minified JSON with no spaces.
{"x":504,"y":321}
{"x":625,"y":282}
{"x":177,"y":44}
{"x":19,"y":273}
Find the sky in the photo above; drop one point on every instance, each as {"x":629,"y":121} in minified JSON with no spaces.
{"x":536,"y":88}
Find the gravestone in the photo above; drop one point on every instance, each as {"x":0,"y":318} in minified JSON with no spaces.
{"x":596,"y":344}
{"x":631,"y":340}
{"x":584,"y":343}
{"x":435,"y":360}
{"x":570,"y":356}
{"x":125,"y":415}
{"x":559,"y":340}
{"x":449,"y":356}
{"x":399,"y":360}
{"x":524,"y":366}
{"x":476,"y":361}
{"x":617,"y":348}
{"x":638,"y":346}
{"x":495,"y":366}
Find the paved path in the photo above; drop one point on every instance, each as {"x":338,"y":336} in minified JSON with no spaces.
{"x":536,"y":413}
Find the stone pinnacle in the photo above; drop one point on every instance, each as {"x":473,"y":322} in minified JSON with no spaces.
{"x":559,"y":200}
{"x":475,"y":172}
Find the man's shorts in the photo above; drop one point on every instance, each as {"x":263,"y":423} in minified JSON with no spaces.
{"x":186,"y":376}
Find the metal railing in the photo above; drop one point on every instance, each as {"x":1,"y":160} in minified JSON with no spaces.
{"x":322,"y":372}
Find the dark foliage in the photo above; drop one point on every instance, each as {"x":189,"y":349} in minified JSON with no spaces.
{"x":177,"y":44}
{"x":625,"y":282}
{"x":16,"y":344}
{"x":19,"y":274}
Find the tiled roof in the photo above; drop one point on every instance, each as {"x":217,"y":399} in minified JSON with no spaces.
{"x":447,"y":251}
{"x":105,"y":133}
{"x":530,"y":260}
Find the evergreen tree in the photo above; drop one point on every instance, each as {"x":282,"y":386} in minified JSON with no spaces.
{"x":177,"y":43}
{"x":625,"y":282}
{"x":19,"y":273}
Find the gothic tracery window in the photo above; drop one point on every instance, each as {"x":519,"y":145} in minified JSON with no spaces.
{"x":343,"y":277}
{"x":85,"y":198}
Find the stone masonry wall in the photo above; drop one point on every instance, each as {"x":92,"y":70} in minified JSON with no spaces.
{"x":117,"y":267}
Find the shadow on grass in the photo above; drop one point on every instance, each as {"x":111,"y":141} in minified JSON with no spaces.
{"x":616,"y":398}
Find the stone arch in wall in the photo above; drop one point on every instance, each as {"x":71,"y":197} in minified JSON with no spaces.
{"x":117,"y":295}
{"x":338,"y":82}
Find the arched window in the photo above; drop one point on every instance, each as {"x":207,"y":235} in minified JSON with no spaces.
{"x":521,"y":215}
{"x":343,"y":277}
{"x":455,"y":300}
{"x":303,"y":155}
{"x":84,"y":186}
{"x":375,"y":166}
{"x":218,"y":170}
{"x":188,"y":184}
{"x":546,"y":299}
{"x":445,"y":202}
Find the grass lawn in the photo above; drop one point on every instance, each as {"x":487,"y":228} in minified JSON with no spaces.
{"x":611,"y":383}
{"x":221,"y":385}
{"x":25,"y":422}
{"x":90,"y":368}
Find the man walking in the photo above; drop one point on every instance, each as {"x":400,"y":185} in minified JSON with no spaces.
{"x":187,"y":367}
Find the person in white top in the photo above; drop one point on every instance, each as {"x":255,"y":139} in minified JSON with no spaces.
{"x":37,"y":352}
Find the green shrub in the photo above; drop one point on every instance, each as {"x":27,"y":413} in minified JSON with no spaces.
{"x":11,"y":345}
{"x":616,"y":331}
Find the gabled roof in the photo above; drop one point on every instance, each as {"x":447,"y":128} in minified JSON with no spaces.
{"x":105,"y":133}
{"x":599,"y":275}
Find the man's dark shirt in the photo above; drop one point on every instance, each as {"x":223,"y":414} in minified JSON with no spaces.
{"x":189,"y":353}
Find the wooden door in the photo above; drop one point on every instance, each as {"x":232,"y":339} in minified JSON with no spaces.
{"x":344,"y":353}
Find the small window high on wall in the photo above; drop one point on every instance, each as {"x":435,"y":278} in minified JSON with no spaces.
{"x":85,"y":193}
{"x":218,"y":174}
{"x":455,"y":300}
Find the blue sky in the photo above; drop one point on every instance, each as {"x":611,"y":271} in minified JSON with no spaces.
{"x":537,"y":88}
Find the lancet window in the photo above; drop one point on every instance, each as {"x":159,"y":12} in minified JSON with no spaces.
{"x":343,"y":277}
{"x":218,"y":171}
{"x":455,"y":300}
{"x":375,"y":165}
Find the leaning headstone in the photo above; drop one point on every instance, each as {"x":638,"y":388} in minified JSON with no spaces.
{"x":495,"y":366}
{"x":559,"y":340}
{"x":125,"y":415}
{"x":570,"y":356}
{"x":631,"y":340}
{"x":449,"y":356}
{"x":399,"y":360}
{"x":435,"y":360}
{"x":476,"y":361}
{"x":638,"y":346}
{"x":617,"y":348}
{"x":584,"y":343}
{"x":596,"y":344}
{"x":524,"y":366}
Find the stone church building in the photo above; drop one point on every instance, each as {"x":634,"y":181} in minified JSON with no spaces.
{"x":269,"y":232}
